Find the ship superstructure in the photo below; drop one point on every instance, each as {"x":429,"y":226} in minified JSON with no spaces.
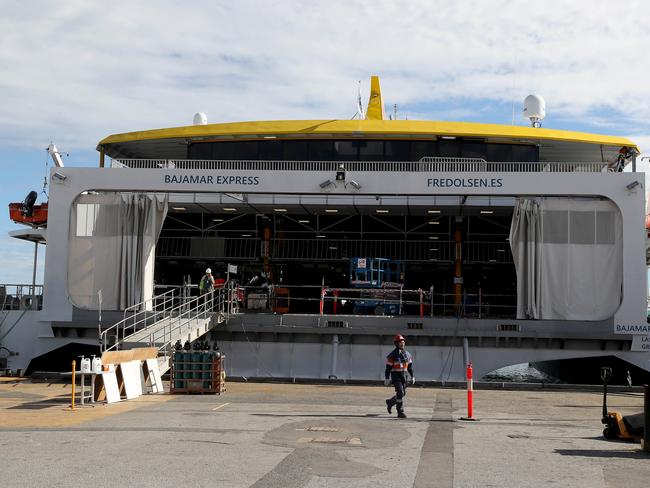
{"x":503,"y":244}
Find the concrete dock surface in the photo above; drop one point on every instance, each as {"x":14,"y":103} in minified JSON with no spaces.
{"x":312,"y":436}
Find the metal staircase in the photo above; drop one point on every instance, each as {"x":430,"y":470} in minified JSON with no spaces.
{"x":164,"y":319}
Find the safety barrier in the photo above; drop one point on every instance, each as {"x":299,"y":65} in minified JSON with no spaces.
{"x":21,"y":297}
{"x":165,"y":316}
{"x":427,"y":164}
{"x":373,"y":301}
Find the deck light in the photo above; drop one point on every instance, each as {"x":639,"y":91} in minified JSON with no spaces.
{"x":320,"y":236}
{"x":629,"y":186}
{"x":217,"y":220}
{"x":331,"y":210}
{"x":246,"y":235}
{"x":487,"y":212}
{"x":179,"y":209}
{"x":280,"y":209}
{"x":433,"y":237}
{"x":433,"y":211}
{"x":59,"y":176}
{"x":434,"y":222}
{"x":303,"y":221}
{"x":326,"y":184}
{"x":381,"y":211}
{"x":229,"y":209}
{"x":354,"y":185}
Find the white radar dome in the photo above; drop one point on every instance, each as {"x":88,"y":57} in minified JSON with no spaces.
{"x":200,"y":118}
{"x":535,"y":109}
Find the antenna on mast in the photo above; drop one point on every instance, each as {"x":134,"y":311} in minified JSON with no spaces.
{"x":56,"y":155}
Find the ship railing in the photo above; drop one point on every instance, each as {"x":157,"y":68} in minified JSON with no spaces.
{"x":388,"y":300}
{"x":332,"y":249}
{"x":218,"y":303}
{"x":139,"y":316}
{"x":175,"y":309}
{"x":21,"y":297}
{"x":426,"y":164}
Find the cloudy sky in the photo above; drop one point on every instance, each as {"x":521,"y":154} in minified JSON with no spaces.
{"x":76,"y":71}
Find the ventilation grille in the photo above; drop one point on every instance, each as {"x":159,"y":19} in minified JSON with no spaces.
{"x":337,"y":324}
{"x":415,"y":325}
{"x":508,"y":327}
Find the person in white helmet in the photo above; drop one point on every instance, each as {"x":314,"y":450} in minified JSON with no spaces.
{"x":206,"y":288}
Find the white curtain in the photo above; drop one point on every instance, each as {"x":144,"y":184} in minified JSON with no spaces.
{"x":112,"y":248}
{"x":568,"y":258}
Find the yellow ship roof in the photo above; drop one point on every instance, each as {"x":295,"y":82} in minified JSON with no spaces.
{"x":367,"y":128}
{"x":165,"y":143}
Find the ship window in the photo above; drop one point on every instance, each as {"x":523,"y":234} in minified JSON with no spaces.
{"x":270,"y":150}
{"x":499,"y":152}
{"x":224,"y":150}
{"x":555,"y":226}
{"x":296,"y":151}
{"x":86,"y":219}
{"x":200,"y":151}
{"x":583,"y":227}
{"x":397,"y":150}
{"x":359,"y":150}
{"x":247,"y":150}
{"x":321,"y":151}
{"x":347,"y":150}
{"x":449,"y":148}
{"x":474,"y":150}
{"x":371,"y":150}
{"x":421,"y":149}
{"x":525,"y":153}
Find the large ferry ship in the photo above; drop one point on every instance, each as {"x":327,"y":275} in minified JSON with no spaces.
{"x":493,"y":244}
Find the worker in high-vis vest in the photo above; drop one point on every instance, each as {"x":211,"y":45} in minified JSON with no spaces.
{"x":398,"y":363}
{"x":206,"y":288}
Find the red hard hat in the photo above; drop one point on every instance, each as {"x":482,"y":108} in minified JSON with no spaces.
{"x":399,"y":337}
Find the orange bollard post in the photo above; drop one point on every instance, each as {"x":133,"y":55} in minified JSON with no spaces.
{"x":470,"y":394}
{"x":334,"y":305}
{"x":322,"y":300}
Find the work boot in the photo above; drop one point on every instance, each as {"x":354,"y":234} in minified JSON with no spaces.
{"x":401,"y":414}
{"x":389,"y":405}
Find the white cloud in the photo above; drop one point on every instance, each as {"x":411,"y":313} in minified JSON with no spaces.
{"x":79,"y":70}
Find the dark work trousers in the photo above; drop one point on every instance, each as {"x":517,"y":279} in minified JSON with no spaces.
{"x":399,"y":382}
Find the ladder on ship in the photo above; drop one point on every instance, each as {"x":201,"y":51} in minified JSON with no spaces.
{"x":164,"y":319}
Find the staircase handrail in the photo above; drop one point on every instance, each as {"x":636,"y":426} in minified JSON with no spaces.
{"x":204,"y":306}
{"x":187,"y":309}
{"x":150,"y":310}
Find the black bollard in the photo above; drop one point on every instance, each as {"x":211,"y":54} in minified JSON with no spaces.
{"x":645,"y":444}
